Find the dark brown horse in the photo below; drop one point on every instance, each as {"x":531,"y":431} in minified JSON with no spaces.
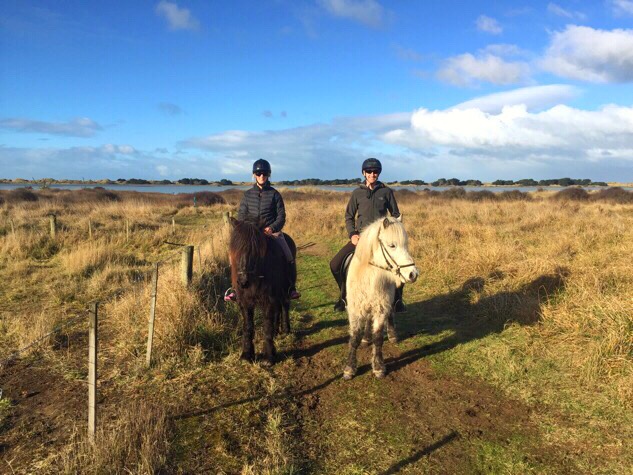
{"x":260,"y":275}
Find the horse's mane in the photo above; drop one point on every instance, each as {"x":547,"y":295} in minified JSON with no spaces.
{"x":369,"y":237}
{"x":248,"y":239}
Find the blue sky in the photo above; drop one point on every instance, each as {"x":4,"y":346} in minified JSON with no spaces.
{"x":161,"y":89}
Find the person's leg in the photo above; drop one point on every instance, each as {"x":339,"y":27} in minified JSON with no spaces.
{"x":398,"y":302}
{"x":336,"y":267}
{"x":292,"y":265}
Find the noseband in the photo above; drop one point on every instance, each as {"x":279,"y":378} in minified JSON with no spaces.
{"x":392,"y":266}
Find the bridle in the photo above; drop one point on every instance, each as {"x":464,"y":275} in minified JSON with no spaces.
{"x":392,"y":266}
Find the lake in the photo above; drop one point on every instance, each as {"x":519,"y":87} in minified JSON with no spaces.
{"x":175,"y":189}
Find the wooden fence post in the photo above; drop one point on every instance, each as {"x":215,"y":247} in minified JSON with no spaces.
{"x":187,"y":265}
{"x":226,"y":216}
{"x":199,"y":260}
{"x":152,"y":314}
{"x":127,"y":229}
{"x":53,"y":223}
{"x":92,"y":371}
{"x":173,"y":225}
{"x":90,"y":229}
{"x":12,"y":227}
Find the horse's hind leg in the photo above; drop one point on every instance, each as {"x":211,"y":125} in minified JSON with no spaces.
{"x":356,"y":333}
{"x":391,"y":328}
{"x":285,"y":317}
{"x":269,"y":342}
{"x":367,"y":335}
{"x":377,"y":362}
{"x":248,"y":332}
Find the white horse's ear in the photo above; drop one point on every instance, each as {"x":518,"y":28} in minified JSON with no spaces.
{"x":399,"y":218}
{"x":386,"y":223}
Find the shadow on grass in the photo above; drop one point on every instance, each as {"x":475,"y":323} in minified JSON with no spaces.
{"x":455,"y":313}
{"x":420,"y":453}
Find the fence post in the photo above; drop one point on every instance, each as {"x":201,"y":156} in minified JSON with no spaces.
{"x":90,"y":229}
{"x":173,"y":225}
{"x":92,"y":371}
{"x":187,"y":265}
{"x":152,"y":314}
{"x":226,"y":216}
{"x":12,"y":227}
{"x":127,"y":229}
{"x":53,"y":222}
{"x":199,"y":260}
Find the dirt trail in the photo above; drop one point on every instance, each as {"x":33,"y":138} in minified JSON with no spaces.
{"x":413,"y":421}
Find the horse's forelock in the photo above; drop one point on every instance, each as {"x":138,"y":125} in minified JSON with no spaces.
{"x":370,"y":235}
{"x":248,"y":239}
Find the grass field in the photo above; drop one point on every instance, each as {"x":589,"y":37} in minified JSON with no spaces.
{"x":515,"y":353}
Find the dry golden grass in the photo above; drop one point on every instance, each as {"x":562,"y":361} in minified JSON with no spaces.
{"x":585,"y":326}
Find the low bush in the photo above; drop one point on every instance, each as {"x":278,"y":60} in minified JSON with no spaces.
{"x":615,"y":195}
{"x":572,"y":194}
{"x":20,"y":195}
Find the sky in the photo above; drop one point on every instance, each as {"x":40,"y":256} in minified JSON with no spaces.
{"x":174,"y":89}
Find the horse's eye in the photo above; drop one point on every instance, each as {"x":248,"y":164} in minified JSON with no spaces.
{"x":392,"y":246}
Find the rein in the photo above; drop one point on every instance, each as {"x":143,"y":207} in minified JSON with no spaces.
{"x":395,"y":267}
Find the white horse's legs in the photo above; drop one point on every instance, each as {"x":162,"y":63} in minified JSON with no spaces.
{"x":391,"y":328}
{"x":377,"y":363}
{"x":356,"y":333}
{"x":367,"y":335}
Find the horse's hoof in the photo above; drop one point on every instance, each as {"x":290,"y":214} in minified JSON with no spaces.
{"x":365,"y":342}
{"x":348,"y":373}
{"x":393,"y":339}
{"x":380,"y":373}
{"x":247,"y":357}
{"x":267,"y":363}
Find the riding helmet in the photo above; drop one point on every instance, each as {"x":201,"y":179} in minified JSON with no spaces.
{"x":372,"y":164}
{"x":261,"y":165}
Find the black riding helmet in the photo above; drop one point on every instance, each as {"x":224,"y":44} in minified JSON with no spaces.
{"x":372,"y":164}
{"x":261,"y":165}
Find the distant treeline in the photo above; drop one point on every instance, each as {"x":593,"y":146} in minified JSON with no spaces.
{"x":555,"y":181}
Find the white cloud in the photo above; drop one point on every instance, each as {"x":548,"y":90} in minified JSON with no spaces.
{"x":533,"y":98}
{"x":367,"y":12}
{"x":503,"y":49}
{"x":561,"y":129}
{"x":488,"y":25}
{"x":177,"y":18}
{"x":80,"y":127}
{"x":622,"y":7}
{"x":467,"y":69}
{"x":587,"y":54}
{"x":560,"y":11}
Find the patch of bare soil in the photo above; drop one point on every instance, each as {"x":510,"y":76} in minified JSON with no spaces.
{"x":413,"y":421}
{"x":44,"y":410}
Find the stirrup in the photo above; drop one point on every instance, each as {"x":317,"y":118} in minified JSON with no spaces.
{"x":230,"y":295}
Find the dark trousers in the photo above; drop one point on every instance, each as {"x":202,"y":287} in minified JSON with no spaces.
{"x":336,"y":266}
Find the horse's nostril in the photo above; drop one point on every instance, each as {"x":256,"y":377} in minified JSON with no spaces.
{"x":413,"y":276}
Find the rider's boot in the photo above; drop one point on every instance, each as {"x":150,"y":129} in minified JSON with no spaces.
{"x":292,"y":291}
{"x":398,"y":304}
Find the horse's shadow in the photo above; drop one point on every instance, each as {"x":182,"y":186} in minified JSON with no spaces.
{"x":467,"y":314}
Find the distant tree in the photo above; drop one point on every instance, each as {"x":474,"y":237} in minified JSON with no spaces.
{"x":137,"y":181}
{"x":565,"y":181}
{"x":527,"y":182}
{"x":225,"y":182}
{"x":503,"y":182}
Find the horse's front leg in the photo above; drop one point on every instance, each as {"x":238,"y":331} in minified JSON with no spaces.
{"x":377,"y":362}
{"x":356,"y":334}
{"x":269,"y":332}
{"x":367,"y":334}
{"x":248,"y":333}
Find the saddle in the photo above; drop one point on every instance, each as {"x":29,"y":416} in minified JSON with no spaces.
{"x":345,"y":265}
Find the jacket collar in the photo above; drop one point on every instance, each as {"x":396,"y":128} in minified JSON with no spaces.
{"x":266,"y":186}
{"x":379,"y":185}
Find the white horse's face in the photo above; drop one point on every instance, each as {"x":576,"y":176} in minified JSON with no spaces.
{"x":396,"y":253}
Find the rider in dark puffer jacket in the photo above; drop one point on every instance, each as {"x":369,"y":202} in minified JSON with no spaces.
{"x":372,"y":200}
{"x":262,"y":203}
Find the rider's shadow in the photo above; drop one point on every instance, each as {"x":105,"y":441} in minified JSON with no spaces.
{"x":467,"y":314}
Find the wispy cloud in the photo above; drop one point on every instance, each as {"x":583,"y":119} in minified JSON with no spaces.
{"x":169,"y":108}
{"x":560,"y":11}
{"x":488,"y":25}
{"x":622,"y":7}
{"x":368,"y":12}
{"x":177,"y":18}
{"x":532,"y":97}
{"x":407,"y":54}
{"x":80,"y":127}
{"x":469,"y":70}
{"x":587,"y":54}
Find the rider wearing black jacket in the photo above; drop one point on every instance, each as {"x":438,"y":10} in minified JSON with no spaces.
{"x":372,"y":200}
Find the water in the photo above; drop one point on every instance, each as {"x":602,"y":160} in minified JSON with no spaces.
{"x":175,"y":189}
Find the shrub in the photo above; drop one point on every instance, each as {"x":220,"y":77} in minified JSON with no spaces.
{"x":514,"y":195}
{"x":203,"y":198}
{"x":615,"y":195}
{"x":482,"y":195}
{"x":20,"y":195}
{"x":454,"y":193}
{"x":572,"y":194}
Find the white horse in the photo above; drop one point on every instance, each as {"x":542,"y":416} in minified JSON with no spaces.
{"x":381,"y":263}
